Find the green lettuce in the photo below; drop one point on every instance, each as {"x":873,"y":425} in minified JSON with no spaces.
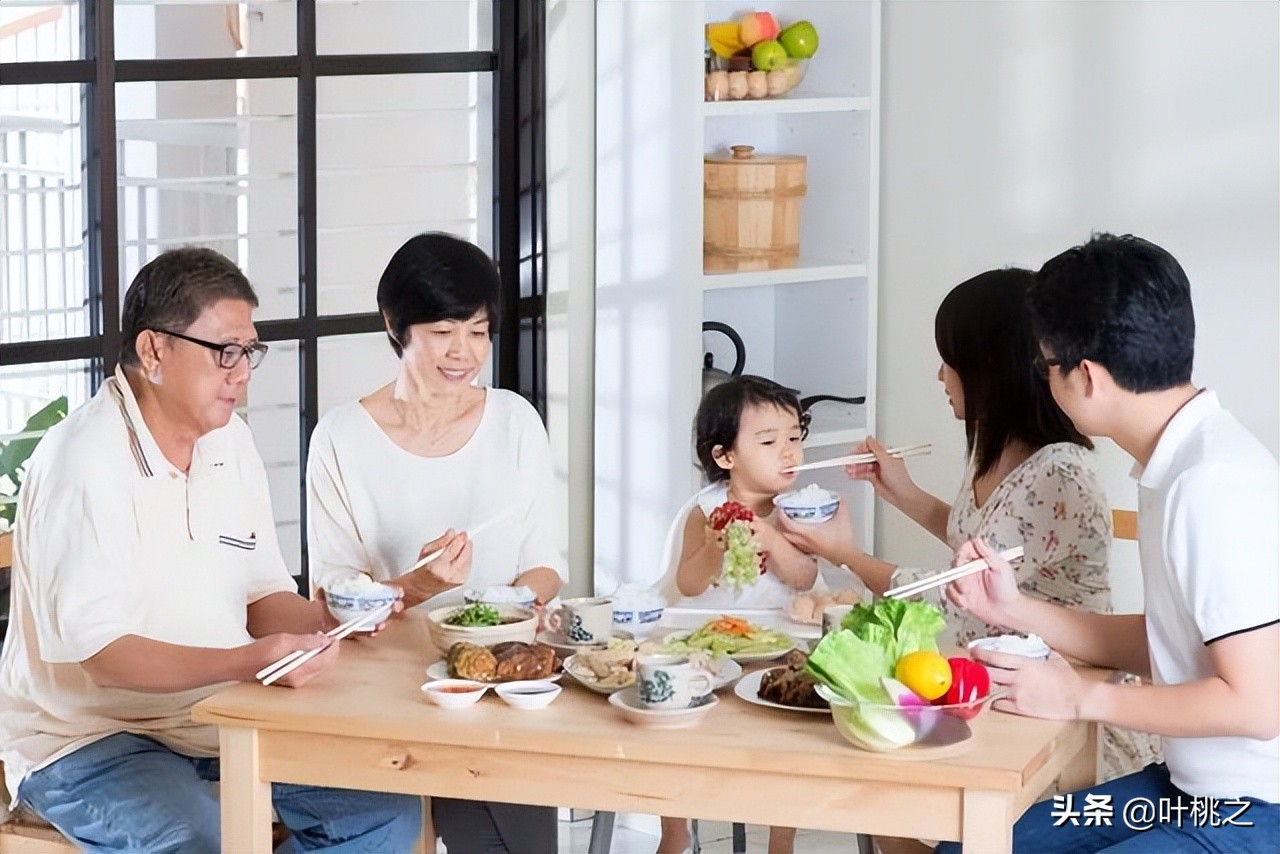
{"x":897,"y":625}
{"x":851,"y":666}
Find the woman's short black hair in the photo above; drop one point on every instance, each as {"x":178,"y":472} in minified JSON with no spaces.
{"x":983,"y":332}
{"x":1122,"y":302}
{"x":173,"y":290}
{"x":433,"y":277}
{"x":720,"y":416}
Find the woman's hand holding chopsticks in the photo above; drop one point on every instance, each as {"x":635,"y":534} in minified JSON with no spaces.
{"x":991,"y":595}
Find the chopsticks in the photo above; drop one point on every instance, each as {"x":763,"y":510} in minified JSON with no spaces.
{"x":852,"y":459}
{"x":964,"y":570}
{"x":297,"y":658}
{"x":488,"y":523}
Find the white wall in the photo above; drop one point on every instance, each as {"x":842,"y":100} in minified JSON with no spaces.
{"x":1012,"y":130}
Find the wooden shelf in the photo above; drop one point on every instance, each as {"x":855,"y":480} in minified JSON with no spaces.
{"x":785,"y":104}
{"x":808,"y":270}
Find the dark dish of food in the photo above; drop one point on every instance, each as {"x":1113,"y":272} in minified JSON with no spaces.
{"x":502,"y":662}
{"x":790,"y":685}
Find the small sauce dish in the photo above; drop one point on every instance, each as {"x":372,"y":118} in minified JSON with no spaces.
{"x":454,"y":693}
{"x":528,"y":694}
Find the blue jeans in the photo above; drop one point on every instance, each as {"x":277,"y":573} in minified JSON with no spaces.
{"x":127,"y":792}
{"x":1035,"y":832}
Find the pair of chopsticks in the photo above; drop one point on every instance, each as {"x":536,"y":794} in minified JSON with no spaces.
{"x":297,"y":658}
{"x":854,"y":459}
{"x":488,"y":523}
{"x":964,"y":570}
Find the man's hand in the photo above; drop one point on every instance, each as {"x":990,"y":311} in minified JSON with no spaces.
{"x":991,"y":595}
{"x":1038,"y":689}
{"x":272,"y":648}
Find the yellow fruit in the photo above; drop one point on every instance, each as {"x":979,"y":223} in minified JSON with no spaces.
{"x":725,"y":38}
{"x":926,"y":673}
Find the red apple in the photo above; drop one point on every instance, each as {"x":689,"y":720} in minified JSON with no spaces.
{"x":756,"y":27}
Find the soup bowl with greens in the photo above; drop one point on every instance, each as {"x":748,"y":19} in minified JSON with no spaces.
{"x":481,"y":624}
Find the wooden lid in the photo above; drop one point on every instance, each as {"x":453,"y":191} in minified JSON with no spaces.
{"x":747,"y":154}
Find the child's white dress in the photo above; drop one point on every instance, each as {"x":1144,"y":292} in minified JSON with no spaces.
{"x":767,"y":592}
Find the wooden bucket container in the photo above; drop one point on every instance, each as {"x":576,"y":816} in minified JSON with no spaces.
{"x":751,"y":210}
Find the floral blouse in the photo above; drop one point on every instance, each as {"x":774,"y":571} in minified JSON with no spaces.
{"x":1054,"y":507}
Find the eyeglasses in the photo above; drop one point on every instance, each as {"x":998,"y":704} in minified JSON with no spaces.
{"x":1042,"y":364}
{"x":229,"y":355}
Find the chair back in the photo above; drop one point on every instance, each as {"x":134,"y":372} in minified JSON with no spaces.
{"x":1124,"y":524}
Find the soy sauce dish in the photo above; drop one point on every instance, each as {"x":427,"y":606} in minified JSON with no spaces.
{"x":454,"y":693}
{"x":529,"y":694}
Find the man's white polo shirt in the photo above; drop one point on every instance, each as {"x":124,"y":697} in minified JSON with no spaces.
{"x":112,"y":540}
{"x":1208,"y":505}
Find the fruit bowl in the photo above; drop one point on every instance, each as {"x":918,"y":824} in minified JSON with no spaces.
{"x":750,"y":84}
{"x":885,"y":728}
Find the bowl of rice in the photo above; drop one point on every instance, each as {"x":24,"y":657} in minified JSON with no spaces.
{"x":355,"y":596}
{"x":811,"y":505}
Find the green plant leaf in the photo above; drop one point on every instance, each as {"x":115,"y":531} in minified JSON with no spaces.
{"x":15,"y":453}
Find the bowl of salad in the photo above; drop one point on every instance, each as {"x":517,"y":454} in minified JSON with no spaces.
{"x":888,"y":686}
{"x":481,"y":624}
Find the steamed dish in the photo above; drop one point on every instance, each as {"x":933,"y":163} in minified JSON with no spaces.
{"x":613,"y":666}
{"x":502,"y":662}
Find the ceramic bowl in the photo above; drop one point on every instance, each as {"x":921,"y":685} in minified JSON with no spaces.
{"x":528,"y":694}
{"x":884,"y":728}
{"x":521,"y":625}
{"x":472,"y":596}
{"x":347,"y":607}
{"x":805,"y":509}
{"x":454,"y":693}
{"x":1032,"y":646}
{"x":638,"y":620}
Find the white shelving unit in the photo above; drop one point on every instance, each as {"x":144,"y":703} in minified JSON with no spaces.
{"x":811,"y":327}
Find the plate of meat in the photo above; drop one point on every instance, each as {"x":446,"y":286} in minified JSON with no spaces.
{"x":787,"y":687}
{"x":503,"y":662}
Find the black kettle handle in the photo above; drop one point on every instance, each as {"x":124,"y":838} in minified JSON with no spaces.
{"x":739,"y":349}
{"x":806,"y":402}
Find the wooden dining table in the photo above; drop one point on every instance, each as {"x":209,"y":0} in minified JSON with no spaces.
{"x":366,"y":725}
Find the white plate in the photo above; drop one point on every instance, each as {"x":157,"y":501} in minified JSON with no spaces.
{"x":727,"y":670}
{"x":440,"y":670}
{"x":628,"y":702}
{"x":748,"y":688}
{"x":564,"y":646}
{"x":743,"y":658}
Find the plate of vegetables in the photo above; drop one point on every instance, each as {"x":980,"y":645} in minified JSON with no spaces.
{"x":735,"y":637}
{"x":889,"y":688}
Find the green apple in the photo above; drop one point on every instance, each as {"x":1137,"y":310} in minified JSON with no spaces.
{"x":800,"y":40}
{"x":768,"y":55}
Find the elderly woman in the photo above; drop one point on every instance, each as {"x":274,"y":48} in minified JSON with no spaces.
{"x":408,"y":469}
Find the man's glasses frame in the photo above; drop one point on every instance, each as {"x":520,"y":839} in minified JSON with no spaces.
{"x":1043,"y":363}
{"x":229,"y":355}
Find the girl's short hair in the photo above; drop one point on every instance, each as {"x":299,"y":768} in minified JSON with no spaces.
{"x":720,"y":416}
{"x":983,"y":331}
{"x":433,"y":277}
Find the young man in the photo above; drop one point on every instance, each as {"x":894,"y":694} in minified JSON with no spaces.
{"x":146,"y":576}
{"x":1117,"y":335}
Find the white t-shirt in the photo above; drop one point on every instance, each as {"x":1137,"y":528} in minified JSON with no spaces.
{"x":1208,"y":505}
{"x":372,"y":504}
{"x":767,"y":592}
{"x":112,"y":540}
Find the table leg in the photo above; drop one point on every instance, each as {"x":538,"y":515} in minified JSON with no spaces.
{"x":987,"y":822}
{"x":1082,"y":771}
{"x":601,"y":832}
{"x":246,"y":797}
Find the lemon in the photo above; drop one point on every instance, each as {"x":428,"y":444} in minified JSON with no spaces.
{"x":926,"y":673}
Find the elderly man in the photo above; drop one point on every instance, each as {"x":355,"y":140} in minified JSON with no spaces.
{"x":146,"y":576}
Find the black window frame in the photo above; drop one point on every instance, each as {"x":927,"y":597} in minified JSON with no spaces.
{"x":517,"y":62}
